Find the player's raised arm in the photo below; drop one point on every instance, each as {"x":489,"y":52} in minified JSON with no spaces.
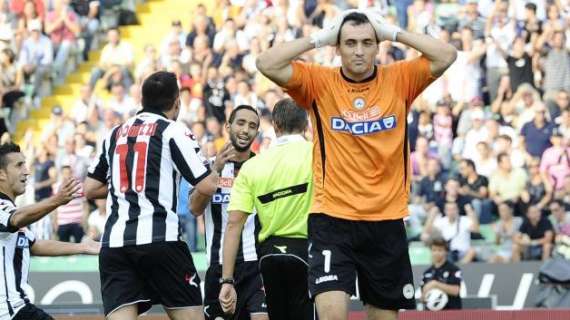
{"x":440,"y":54}
{"x":275,"y":63}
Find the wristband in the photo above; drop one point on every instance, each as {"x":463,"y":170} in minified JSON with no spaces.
{"x":395,"y":35}
{"x":227,"y":281}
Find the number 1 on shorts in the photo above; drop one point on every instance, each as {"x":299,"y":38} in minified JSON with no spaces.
{"x":327,"y":254}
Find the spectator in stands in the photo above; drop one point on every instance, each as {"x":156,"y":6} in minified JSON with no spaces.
{"x":431,"y":187}
{"x":97,"y":219}
{"x":452,"y":194}
{"x":536,"y":134}
{"x":473,"y":20}
{"x":62,"y":26}
{"x":559,"y":217}
{"x":505,"y":229}
{"x":115,"y":53}
{"x":216,"y":96}
{"x":18,"y":7}
{"x":555,"y":162}
{"x":455,"y":229}
{"x":121,"y":102}
{"x":89,"y":15}
{"x":507,"y":183}
{"x":519,"y":62}
{"x":485,"y":162}
{"x":442,"y":275}
{"x":476,"y":187}
{"x":560,"y":104}
{"x":538,"y":191}
{"x":11,"y":80}
{"x":476,"y":134}
{"x":87,"y":104}
{"x":499,"y":31}
{"x":71,"y":157}
{"x":69,"y":219}
{"x":28,"y":14}
{"x":419,"y":158}
{"x":36,"y":56}
{"x":534,"y":239}
{"x":45,"y":175}
{"x":556,"y":63}
{"x":202,"y":25}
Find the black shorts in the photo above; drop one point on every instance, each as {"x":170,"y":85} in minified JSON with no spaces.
{"x":249,"y":288}
{"x":156,"y":273}
{"x":376,"y":252}
{"x":31,"y":312}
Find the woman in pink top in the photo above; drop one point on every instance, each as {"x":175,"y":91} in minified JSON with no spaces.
{"x":555,"y":162}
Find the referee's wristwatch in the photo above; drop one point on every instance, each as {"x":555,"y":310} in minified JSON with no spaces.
{"x":228,"y":281}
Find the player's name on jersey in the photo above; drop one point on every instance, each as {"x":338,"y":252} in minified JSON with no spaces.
{"x":146,"y":129}
{"x":363,"y":127}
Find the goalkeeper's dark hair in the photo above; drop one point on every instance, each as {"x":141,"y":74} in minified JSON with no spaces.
{"x":357,"y":18}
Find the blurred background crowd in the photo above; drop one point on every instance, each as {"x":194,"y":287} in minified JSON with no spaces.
{"x":490,"y":139}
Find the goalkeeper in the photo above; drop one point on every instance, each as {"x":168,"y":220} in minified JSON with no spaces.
{"x":360,"y":158}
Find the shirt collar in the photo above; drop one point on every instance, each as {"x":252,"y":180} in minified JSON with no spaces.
{"x":6,"y":197}
{"x":152,"y":112}
{"x":288,"y":139}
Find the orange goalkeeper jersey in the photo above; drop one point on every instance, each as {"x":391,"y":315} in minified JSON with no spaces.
{"x":360,"y":152}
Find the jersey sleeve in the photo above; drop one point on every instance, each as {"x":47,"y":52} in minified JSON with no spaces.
{"x":301,"y":86}
{"x":454,"y":277}
{"x":7,"y":209}
{"x":99,"y":169}
{"x":186,"y":155}
{"x":242,"y":196}
{"x":413,"y":77}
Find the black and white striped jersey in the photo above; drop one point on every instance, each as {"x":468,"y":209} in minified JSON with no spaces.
{"x":15,"y":261}
{"x":216,"y":220}
{"x":142,"y":162}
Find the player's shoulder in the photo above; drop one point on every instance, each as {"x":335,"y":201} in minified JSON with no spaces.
{"x":7,"y":206}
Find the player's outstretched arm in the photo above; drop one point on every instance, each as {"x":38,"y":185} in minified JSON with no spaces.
{"x":440,"y":54}
{"x":51,"y":248}
{"x":27,"y":215}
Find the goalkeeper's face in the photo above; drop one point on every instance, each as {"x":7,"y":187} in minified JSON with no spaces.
{"x":357,"y":48}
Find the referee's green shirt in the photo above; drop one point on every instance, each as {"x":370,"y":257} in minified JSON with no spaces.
{"x":278,"y":184}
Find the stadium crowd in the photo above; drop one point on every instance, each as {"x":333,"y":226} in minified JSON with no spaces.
{"x":490,"y":139}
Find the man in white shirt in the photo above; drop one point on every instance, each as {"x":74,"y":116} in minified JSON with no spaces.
{"x":455,"y":229}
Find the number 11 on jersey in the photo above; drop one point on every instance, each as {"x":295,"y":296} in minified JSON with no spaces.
{"x":140,"y":149}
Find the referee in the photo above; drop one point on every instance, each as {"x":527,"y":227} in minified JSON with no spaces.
{"x":276,"y":184}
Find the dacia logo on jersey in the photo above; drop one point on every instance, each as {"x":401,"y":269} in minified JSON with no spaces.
{"x":221,"y":198}
{"x":22,"y":241}
{"x":359,"y":128}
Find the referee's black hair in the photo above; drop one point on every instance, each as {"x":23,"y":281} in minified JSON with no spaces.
{"x":357,"y":18}
{"x":241,"y":107}
{"x":160,"y":91}
{"x":288,"y":117}
{"x":6,"y":149}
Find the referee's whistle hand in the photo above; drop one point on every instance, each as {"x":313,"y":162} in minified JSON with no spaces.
{"x":228,"y":298}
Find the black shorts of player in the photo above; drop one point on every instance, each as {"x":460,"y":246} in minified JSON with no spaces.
{"x":284,"y":270}
{"x":248,"y":286}
{"x":376,"y":252}
{"x":156,"y":273}
{"x":31,"y":312}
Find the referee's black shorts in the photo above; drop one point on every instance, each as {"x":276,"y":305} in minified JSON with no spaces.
{"x":376,"y":252}
{"x":156,"y":273}
{"x":284,"y":268}
{"x":248,"y":286}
